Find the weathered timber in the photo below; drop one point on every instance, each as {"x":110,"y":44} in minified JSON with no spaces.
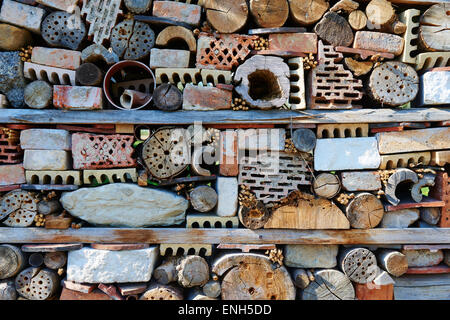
{"x":162,"y":292}
{"x":434,"y":31}
{"x":254,"y":217}
{"x":393,"y":262}
{"x":216,"y":236}
{"x":365,"y":211}
{"x":226,"y":16}
{"x":192,"y":271}
{"x":12,"y":261}
{"x":167,"y":97}
{"x":269,"y":14}
{"x":329,"y":284}
{"x":357,"y":20}
{"x":55,"y":260}
{"x":381,"y":16}
{"x":326,"y":185}
{"x":203,"y":198}
{"x":307,"y":12}
{"x":334,"y":30}
{"x":166,"y":272}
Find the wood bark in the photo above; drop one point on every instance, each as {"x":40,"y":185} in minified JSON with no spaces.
{"x":365,"y":211}
{"x":307,"y":12}
{"x":357,"y":20}
{"x":301,"y":278}
{"x":359,"y":264}
{"x":55,"y":260}
{"x":7,"y":290}
{"x":326,"y":185}
{"x":248,"y":276}
{"x":329,"y":284}
{"x":12,"y":260}
{"x":334,"y":30}
{"x":162,"y":292}
{"x":304,"y":139}
{"x":226,"y":16}
{"x":381,"y":16}
{"x":434,"y":31}
{"x":203,"y":198}
{"x":88,"y":74}
{"x":37,"y":283}
{"x":358,"y":68}
{"x":254,"y":217}
{"x":167,"y":97}
{"x":310,"y":213}
{"x":192,"y":271}
{"x":394,"y":262}
{"x":269,"y":14}
{"x":167,"y":272}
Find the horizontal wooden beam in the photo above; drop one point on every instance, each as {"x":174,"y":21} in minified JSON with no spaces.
{"x":413,"y":2}
{"x":216,"y":236}
{"x":157,"y":117}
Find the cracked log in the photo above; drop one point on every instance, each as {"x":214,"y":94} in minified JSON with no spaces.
{"x":226,"y":16}
{"x":167,"y":97}
{"x":249,"y":276}
{"x":12,"y":260}
{"x":307,"y":12}
{"x":329,"y":284}
{"x":434,"y":28}
{"x":326,"y":185}
{"x":365,"y":211}
{"x":192,"y":271}
{"x":269,"y":14}
{"x":359,"y":264}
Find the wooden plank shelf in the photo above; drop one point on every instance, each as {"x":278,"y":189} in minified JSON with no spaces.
{"x":229,"y":236}
{"x":156,"y":117}
{"x":412,"y":2}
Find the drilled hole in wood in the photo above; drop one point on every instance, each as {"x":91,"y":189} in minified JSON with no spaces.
{"x":263,"y":85}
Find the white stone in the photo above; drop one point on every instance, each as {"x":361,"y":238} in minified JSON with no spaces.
{"x":169,"y":58}
{"x":261,"y":139}
{"x":361,"y":180}
{"x":105,"y":266}
{"x":45,"y":139}
{"x":400,"y":218}
{"x":423,"y":257}
{"x":22,"y":15}
{"x":346,"y":154}
{"x":310,"y":255}
{"x":434,"y":88}
{"x":46,"y":160}
{"x":227,"y":192}
{"x":383,"y":279}
{"x":125,"y":205}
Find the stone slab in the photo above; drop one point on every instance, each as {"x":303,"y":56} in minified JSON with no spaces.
{"x":310,"y":255}
{"x":227,"y":196}
{"x":22,"y":15}
{"x":45,"y":139}
{"x":400,"y":218}
{"x":46,"y":160}
{"x":361,"y":180}
{"x":169,"y":58}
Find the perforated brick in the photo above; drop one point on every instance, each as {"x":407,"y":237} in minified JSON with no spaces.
{"x":91,"y":151}
{"x":68,"y":177}
{"x":411,"y":35}
{"x":53,"y":75}
{"x":211,"y":221}
{"x":102,"y":16}
{"x":427,"y":60}
{"x":272,"y":176}
{"x":143,"y":85}
{"x":342,"y":130}
{"x":194,"y":75}
{"x":111,"y":175}
{"x":401,"y":160}
{"x":297,"y":81}
{"x":223,"y":51}
{"x":331,"y":86}
{"x":10,"y":151}
{"x":185,"y":248}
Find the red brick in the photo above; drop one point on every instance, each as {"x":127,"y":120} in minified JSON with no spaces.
{"x":370,"y":291}
{"x":90,"y":151}
{"x":79,"y":287}
{"x":301,"y":42}
{"x":378,"y":41}
{"x":10,"y":151}
{"x":127,"y":289}
{"x":58,"y":58}
{"x":111,"y":291}
{"x":182,"y":12}
{"x":206,"y":98}
{"x":77,"y":98}
{"x":67,"y":294}
{"x":229,"y":153}
{"x":441,"y":191}
{"x":12,"y":174}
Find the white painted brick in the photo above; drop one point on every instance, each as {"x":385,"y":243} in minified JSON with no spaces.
{"x":45,"y":139}
{"x":361,"y":180}
{"x":46,"y":160}
{"x":227,"y":192}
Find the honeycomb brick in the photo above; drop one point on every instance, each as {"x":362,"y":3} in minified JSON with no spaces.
{"x":440,"y":158}
{"x":331,"y":86}
{"x":194,"y":75}
{"x":67,"y":177}
{"x":343,"y":130}
{"x":185,"y":248}
{"x":181,"y":12}
{"x":427,"y":60}
{"x":11,"y":174}
{"x":22,"y":15}
{"x":214,"y":52}
{"x":10,"y":151}
{"x":53,"y":75}
{"x":297,"y":81}
{"x":211,"y":221}
{"x":58,"y":58}
{"x":401,"y":160}
{"x":441,"y":191}
{"x":102,"y":16}
{"x":91,"y":151}
{"x":111,"y":175}
{"x":272,"y":176}
{"x":410,"y":36}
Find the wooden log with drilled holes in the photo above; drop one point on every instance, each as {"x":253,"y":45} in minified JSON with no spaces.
{"x":55,"y":260}
{"x":357,"y":20}
{"x":254,"y":217}
{"x":329,"y":284}
{"x":167,"y":97}
{"x":226,"y":16}
{"x":203,"y":198}
{"x":394,"y":262}
{"x":359,"y":264}
{"x":269,"y":14}
{"x":434,"y":30}
{"x":12,"y":260}
{"x":381,"y":16}
{"x":307,"y":12}
{"x":249,"y":276}
{"x":326,"y":185}
{"x":162,"y":292}
{"x":192,"y":271}
{"x":37,"y":283}
{"x":365,"y":211}
{"x":166,"y":272}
